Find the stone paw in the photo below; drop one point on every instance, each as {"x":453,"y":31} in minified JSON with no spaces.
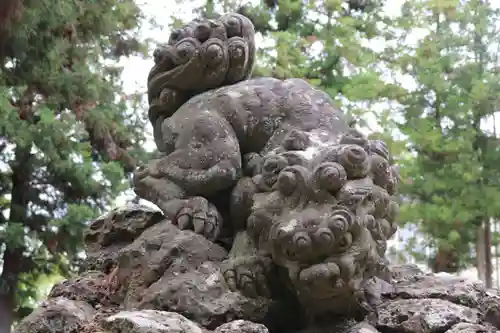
{"x":248,"y":275}
{"x":199,"y":215}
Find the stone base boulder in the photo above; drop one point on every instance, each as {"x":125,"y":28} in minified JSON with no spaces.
{"x":149,"y":276}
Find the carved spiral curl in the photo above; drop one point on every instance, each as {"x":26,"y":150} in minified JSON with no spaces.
{"x":186,"y":50}
{"x":324,"y":238}
{"x":233,"y":24}
{"x":355,"y":161}
{"x":283,"y":244}
{"x":293,"y":180}
{"x":341,"y":221}
{"x":302,"y":241}
{"x":238,"y":26}
{"x":380,"y":171}
{"x":330,"y":176}
{"x":271,"y":168}
{"x":380,"y":148}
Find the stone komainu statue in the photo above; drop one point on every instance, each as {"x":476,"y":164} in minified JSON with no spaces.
{"x":271,"y":166}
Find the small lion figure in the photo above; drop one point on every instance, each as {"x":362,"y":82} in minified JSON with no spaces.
{"x":323,"y":222}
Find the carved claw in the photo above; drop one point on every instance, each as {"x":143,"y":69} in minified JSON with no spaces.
{"x":248,"y":275}
{"x":199,"y":215}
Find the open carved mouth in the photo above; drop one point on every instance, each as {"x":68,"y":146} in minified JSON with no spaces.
{"x":203,"y":55}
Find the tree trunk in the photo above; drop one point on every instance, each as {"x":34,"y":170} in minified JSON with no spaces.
{"x":9,"y":280}
{"x":6,"y":315}
{"x":13,"y":255}
{"x":496,"y":230}
{"x":488,"y":281}
{"x":480,"y":252}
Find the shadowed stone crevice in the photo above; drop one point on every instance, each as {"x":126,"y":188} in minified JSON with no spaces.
{"x":273,"y":216}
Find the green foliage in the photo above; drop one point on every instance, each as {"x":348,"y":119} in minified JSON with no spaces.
{"x":68,"y":134}
{"x":452,"y":169}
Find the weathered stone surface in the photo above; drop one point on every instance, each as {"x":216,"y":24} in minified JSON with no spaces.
{"x":460,"y":291}
{"x":471,"y":328}
{"x":241,"y":326}
{"x":89,"y":288}
{"x":402,"y":272}
{"x":163,"y":249}
{"x":57,"y":315}
{"x":423,"y":315}
{"x":490,"y":305}
{"x":346,"y":327}
{"x":452,"y":288}
{"x":113,"y":231}
{"x":177,"y":270}
{"x":150,"y":321}
{"x":203,"y":296}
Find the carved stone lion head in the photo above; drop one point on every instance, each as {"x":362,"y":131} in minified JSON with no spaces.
{"x":326,"y":221}
{"x":201,"y":55}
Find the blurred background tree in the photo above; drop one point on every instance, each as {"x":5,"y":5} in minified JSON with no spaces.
{"x":69,"y":136}
{"x":447,"y":120}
